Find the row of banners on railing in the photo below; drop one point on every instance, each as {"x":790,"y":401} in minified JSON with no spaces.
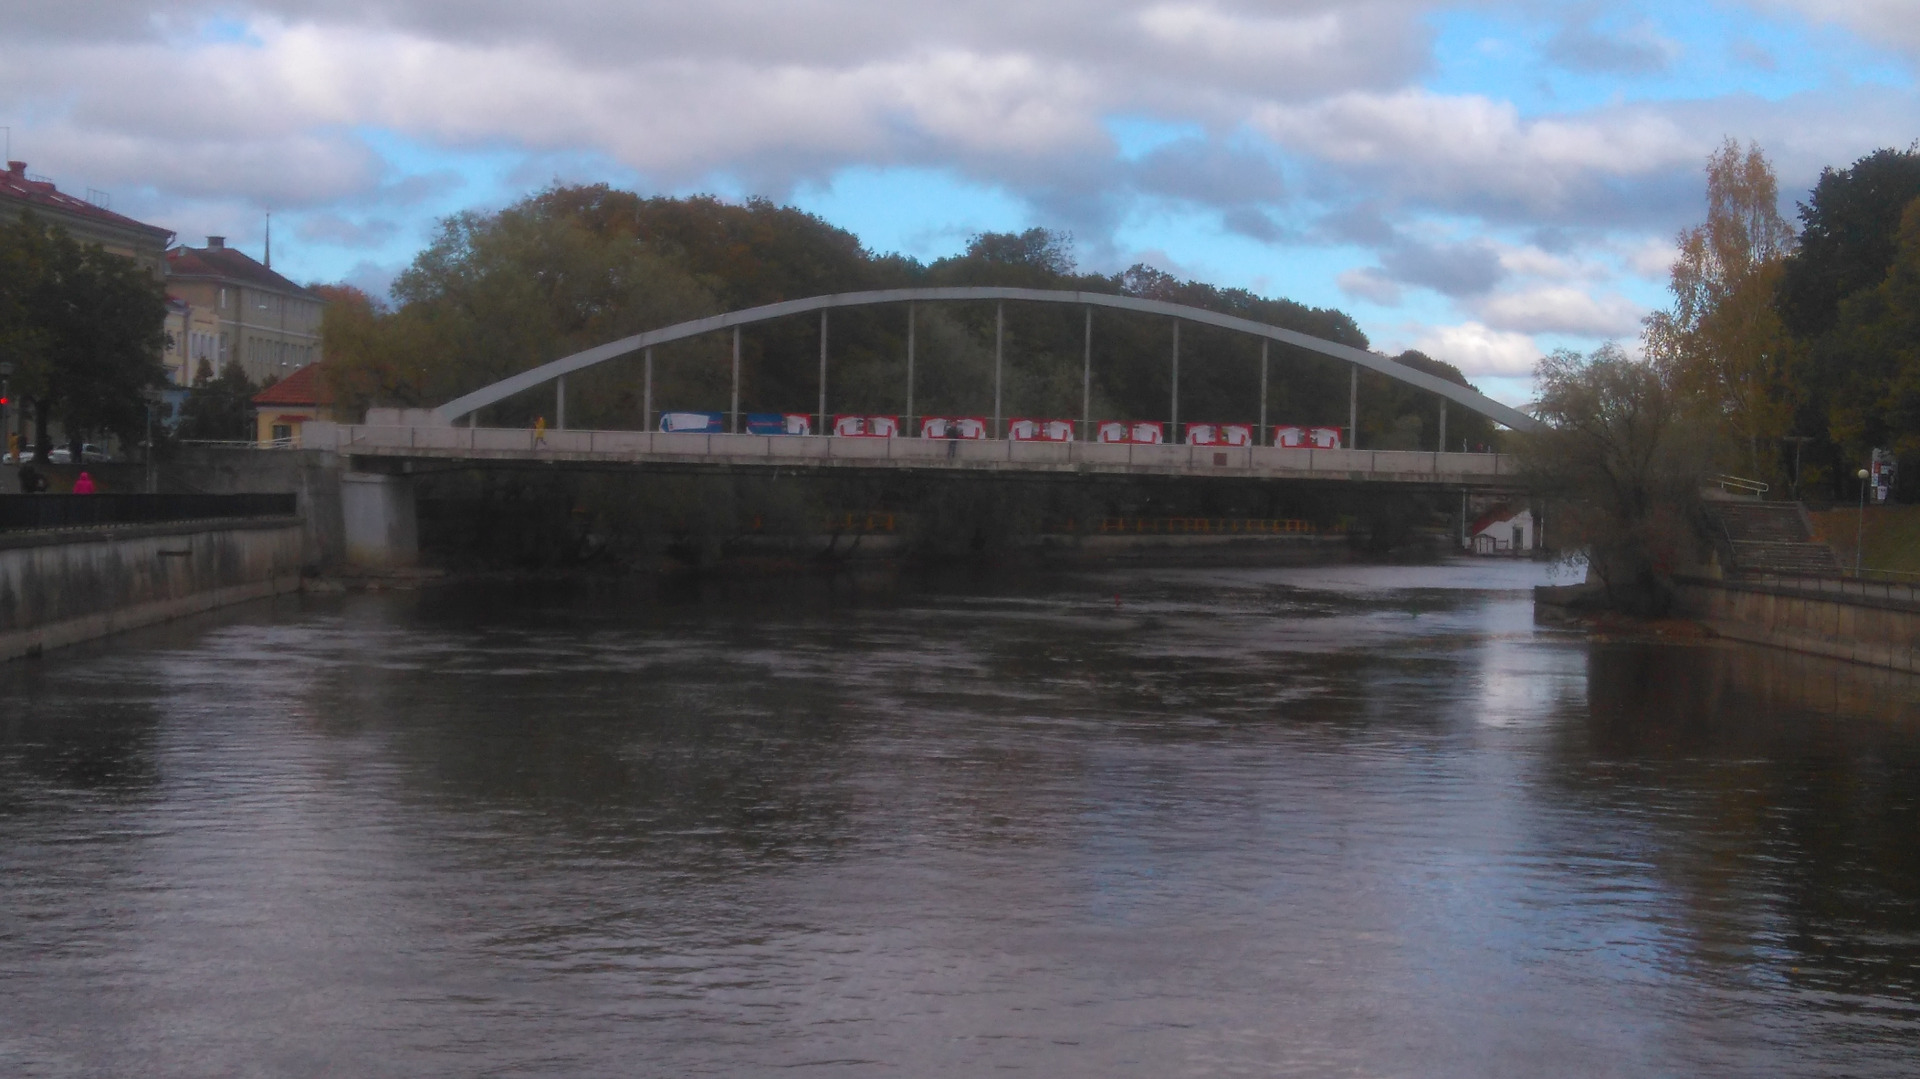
{"x":1019,"y":429}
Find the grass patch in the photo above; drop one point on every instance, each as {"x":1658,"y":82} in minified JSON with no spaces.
{"x":1892,"y":535}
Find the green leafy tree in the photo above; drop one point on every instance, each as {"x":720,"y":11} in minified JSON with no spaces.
{"x":83,"y":328}
{"x":1879,"y":329}
{"x":1624,"y":468}
{"x":1851,"y":224}
{"x":218,"y":409}
{"x":1847,"y":237}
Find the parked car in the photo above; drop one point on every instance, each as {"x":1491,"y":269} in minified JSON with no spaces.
{"x":63,"y":455}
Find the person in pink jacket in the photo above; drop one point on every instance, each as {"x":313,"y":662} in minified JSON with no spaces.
{"x":83,"y":485}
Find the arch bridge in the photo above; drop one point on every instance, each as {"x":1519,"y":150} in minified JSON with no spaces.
{"x":392,"y":438}
{"x":556,"y":372}
{"x":378,"y":500}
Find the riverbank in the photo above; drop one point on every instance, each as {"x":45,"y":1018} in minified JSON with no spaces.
{"x":1892,"y":535}
{"x":64,"y":586}
{"x":1872,"y":623}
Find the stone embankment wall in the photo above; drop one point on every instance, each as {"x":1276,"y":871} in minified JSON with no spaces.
{"x":1860,"y":621}
{"x":65,"y":586}
{"x":311,"y":474}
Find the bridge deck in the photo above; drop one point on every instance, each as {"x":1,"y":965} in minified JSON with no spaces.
{"x":1422,"y":467}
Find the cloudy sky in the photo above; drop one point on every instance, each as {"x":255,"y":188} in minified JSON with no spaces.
{"x":1482,"y":180}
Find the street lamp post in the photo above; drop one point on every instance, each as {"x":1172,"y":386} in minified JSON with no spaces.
{"x":152,"y":395}
{"x":1860,"y":530}
{"x":1798,"y":442}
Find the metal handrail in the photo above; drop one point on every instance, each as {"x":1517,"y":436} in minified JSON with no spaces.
{"x":1738,"y":483}
{"x":638,"y":445}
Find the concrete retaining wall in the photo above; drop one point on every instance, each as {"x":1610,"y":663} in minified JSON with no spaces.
{"x":311,"y":474}
{"x":1880,"y":629}
{"x":64,"y":587}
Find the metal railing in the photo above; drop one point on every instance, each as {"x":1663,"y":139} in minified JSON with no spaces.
{"x":1868,"y":573}
{"x":28,"y":512}
{"x":1742,"y":485}
{"x":501,"y":443}
{"x":1204,"y":526}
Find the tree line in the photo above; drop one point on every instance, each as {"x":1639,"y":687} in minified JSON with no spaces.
{"x":577,"y":266}
{"x":1786,"y":356}
{"x":1800,"y":344}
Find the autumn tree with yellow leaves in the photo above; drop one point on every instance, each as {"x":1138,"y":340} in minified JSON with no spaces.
{"x":1722,"y":345}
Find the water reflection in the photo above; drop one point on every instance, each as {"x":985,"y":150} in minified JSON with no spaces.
{"x":1344,"y":820}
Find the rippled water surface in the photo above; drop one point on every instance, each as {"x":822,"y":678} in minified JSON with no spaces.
{"x":1346,"y":822}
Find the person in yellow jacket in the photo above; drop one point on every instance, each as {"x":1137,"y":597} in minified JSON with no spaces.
{"x":539,"y":431}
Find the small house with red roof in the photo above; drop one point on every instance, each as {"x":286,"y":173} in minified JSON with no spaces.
{"x":1503,"y":530}
{"x":280,"y":409}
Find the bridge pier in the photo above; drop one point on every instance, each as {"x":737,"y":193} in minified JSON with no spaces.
{"x":381,"y":523}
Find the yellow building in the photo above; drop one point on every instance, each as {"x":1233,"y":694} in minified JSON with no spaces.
{"x":266,"y":323}
{"x":281,"y":408}
{"x":85,"y":221}
{"x":193,"y":334}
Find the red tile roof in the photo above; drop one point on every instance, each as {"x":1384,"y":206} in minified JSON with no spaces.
{"x":1492,"y":517}
{"x":307,"y":387}
{"x":15,"y":185}
{"x":227,"y":264}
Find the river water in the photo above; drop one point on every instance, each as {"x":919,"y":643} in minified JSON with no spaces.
{"x":1336,"y":821}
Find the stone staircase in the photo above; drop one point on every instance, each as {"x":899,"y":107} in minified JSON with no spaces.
{"x":1769,"y":539}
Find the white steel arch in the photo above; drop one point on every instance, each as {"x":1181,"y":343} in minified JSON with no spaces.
{"x":526,"y":380}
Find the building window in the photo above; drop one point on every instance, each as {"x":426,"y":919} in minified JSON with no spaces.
{"x":282,"y":434}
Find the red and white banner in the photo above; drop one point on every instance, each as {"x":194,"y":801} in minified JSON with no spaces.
{"x":1026,"y":429}
{"x":1289,"y":436}
{"x":967,"y":427}
{"x":866,"y":426}
{"x":1131,"y":432}
{"x":1220,"y":434}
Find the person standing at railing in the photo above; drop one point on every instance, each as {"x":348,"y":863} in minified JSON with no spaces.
{"x":83,"y":485}
{"x":31,"y":481}
{"x":539,"y":431}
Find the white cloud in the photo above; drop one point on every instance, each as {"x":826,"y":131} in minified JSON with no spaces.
{"x":1530,"y":261}
{"x":1467,"y":150}
{"x":1652,"y":259}
{"x":1886,"y":22}
{"x":1478,"y":349}
{"x":202,"y":112}
{"x":1560,"y":309}
{"x":1370,"y":283}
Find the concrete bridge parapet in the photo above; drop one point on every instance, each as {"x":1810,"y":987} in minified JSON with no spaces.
{"x":440,"y":442}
